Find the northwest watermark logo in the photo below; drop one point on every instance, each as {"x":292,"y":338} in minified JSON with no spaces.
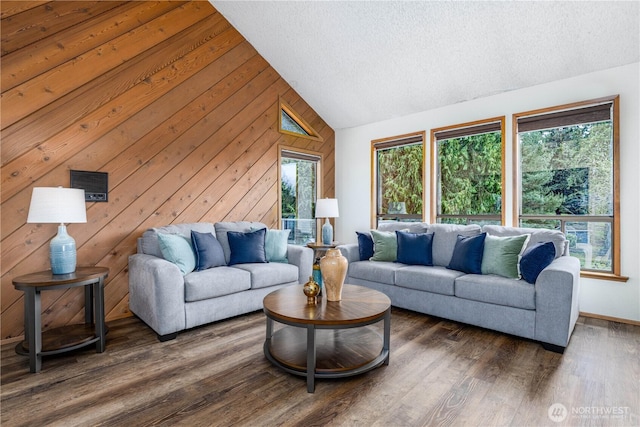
{"x":558,"y":412}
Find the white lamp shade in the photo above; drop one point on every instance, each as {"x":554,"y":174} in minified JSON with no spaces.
{"x":57,"y":205}
{"x":327,"y":208}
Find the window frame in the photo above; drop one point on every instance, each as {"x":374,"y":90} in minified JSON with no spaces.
{"x":434,"y":163}
{"x":517,"y":181}
{"x":301,"y":154}
{"x":391,"y":142}
{"x":288,"y":109}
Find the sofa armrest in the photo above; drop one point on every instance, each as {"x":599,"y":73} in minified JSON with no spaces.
{"x":350,"y":251}
{"x":302,"y":257}
{"x":557,"y":295}
{"x":156,"y":293}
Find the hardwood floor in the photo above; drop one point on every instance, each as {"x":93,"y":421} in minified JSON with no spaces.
{"x":440,"y":373}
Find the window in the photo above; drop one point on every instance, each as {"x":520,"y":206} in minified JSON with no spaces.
{"x":398,"y":178}
{"x":299,"y":172}
{"x":467,"y":178}
{"x":291,"y":123}
{"x":567,"y":174}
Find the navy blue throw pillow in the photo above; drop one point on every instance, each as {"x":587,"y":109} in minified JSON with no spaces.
{"x":365,"y":245}
{"x":208,"y":250}
{"x":247,"y":247}
{"x":535,"y":259}
{"x":414,"y":248}
{"x":467,"y":254}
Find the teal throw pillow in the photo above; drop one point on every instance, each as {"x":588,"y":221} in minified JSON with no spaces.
{"x":467,"y":254}
{"x":208,"y":250}
{"x":177,"y":249}
{"x":385,"y":246}
{"x":275,"y":245}
{"x":415,"y":248}
{"x":247,"y":247}
{"x":502,"y":254}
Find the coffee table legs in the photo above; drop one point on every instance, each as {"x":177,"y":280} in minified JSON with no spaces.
{"x":311,"y":358}
{"x":386,"y":344}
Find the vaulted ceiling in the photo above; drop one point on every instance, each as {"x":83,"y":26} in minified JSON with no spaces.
{"x":358,"y":62}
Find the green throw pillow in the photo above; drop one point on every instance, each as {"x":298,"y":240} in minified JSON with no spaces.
{"x":501,"y":255}
{"x":177,"y":249}
{"x":275,"y":245}
{"x":385,"y":246}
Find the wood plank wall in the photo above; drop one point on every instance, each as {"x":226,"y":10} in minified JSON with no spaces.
{"x":166,"y":97}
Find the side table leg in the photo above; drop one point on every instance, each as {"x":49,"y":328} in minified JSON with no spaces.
{"x":101,"y":332}
{"x":33,"y":328}
{"x":88,"y":304}
{"x":311,"y":358}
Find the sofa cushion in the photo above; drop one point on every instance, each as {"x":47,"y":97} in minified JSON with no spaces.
{"x":221,"y":229}
{"x":412,"y":227}
{"x":467,"y":254}
{"x":381,"y":272}
{"x":275,"y":245}
{"x":431,"y":279}
{"x":445,"y":237}
{"x":496,"y":290}
{"x":535,"y":259}
{"x":270,"y":274}
{"x":537,"y":235}
{"x":177,"y":249}
{"x":149,"y":241}
{"x":502,"y":254}
{"x":385,"y":245}
{"x":215,"y":282}
{"x":247,"y":247}
{"x":365,"y":245}
{"x":414,"y":248}
{"x":207,"y":249}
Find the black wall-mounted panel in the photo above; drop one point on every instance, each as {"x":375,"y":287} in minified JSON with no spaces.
{"x":94,"y":184}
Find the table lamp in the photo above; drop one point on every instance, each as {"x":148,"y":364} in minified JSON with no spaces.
{"x":327,"y":208}
{"x":59,"y":205}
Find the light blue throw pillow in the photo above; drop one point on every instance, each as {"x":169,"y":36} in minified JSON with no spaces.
{"x":177,"y":249}
{"x":275,"y":245}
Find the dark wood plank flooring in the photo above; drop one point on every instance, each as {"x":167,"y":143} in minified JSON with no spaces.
{"x":440,"y":373}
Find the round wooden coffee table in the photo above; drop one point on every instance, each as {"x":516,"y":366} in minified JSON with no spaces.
{"x":329,"y":339}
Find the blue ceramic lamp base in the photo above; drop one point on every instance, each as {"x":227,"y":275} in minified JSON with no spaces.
{"x":62,"y":252}
{"x":327,"y":233}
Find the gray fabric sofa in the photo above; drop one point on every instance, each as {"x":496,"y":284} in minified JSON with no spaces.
{"x":170,"y":302}
{"x":545,"y":311}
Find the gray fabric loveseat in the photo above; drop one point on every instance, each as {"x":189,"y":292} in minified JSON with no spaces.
{"x":169,"y":297}
{"x":545,"y":310}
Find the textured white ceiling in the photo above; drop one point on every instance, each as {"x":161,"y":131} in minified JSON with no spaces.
{"x":362,"y":62}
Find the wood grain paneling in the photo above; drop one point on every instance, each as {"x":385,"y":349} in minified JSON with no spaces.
{"x":168,"y":98}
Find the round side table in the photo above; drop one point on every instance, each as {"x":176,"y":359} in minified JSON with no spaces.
{"x":66,"y":338}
